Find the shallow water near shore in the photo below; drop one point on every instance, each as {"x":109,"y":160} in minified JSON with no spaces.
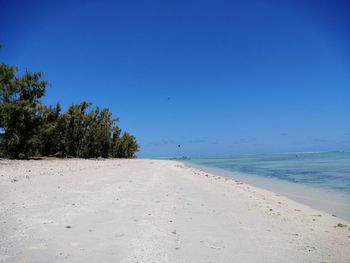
{"x":320,"y":180}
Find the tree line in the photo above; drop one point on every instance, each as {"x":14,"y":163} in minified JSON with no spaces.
{"x":29,"y":128}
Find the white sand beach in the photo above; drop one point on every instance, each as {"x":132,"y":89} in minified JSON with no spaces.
{"x":154,"y":211}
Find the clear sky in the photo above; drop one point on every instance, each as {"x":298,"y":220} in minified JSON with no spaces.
{"x":216,"y":77}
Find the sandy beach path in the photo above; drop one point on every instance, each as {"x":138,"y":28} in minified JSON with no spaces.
{"x":154,"y":211}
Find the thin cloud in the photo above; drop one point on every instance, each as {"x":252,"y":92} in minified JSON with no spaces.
{"x":163,"y":142}
{"x":197,"y":141}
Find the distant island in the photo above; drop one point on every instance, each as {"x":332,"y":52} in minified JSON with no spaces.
{"x":182,"y":158}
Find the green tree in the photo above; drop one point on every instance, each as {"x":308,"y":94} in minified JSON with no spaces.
{"x":20,"y":111}
{"x":126,"y":146}
{"x":76,"y":129}
{"x":98,"y":138}
{"x":52,"y":131}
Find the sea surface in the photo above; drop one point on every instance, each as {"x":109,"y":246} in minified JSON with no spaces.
{"x":321,"y":180}
{"x":329,"y":171}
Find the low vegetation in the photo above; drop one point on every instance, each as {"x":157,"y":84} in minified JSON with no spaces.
{"x":29,"y":128}
{"x":340,"y":225}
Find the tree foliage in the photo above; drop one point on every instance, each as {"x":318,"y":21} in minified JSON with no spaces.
{"x":29,"y":128}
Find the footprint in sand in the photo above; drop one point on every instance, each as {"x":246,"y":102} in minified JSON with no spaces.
{"x":246,"y":228}
{"x":309,"y":248}
{"x":37,"y":247}
{"x":75,"y":244}
{"x":212,"y":244}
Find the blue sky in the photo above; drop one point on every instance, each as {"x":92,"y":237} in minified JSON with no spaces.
{"x":216,"y":77}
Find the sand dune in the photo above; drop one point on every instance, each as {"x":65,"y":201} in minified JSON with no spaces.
{"x":154,"y":211}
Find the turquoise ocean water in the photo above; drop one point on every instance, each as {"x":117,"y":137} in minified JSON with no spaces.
{"x":326,"y":171}
{"x":319,"y":180}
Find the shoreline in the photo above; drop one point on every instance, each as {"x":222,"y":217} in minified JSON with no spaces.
{"x":148,"y":210}
{"x":333,"y":203}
